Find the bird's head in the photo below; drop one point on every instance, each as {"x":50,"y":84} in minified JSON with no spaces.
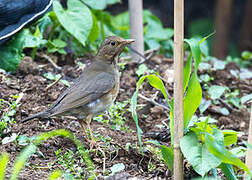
{"x":112,"y":47}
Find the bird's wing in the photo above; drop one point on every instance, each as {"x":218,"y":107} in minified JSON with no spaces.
{"x":84,"y":90}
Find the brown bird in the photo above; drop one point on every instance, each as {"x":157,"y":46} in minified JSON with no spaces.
{"x":96,"y":88}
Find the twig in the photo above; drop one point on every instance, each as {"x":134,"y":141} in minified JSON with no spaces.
{"x":149,"y":53}
{"x":153,"y":102}
{"x":52,"y":84}
{"x":49,"y":59}
{"x":104,"y":159}
{"x":229,"y":107}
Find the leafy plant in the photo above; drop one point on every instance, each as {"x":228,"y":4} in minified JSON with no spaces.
{"x":116,"y":117}
{"x":31,"y":149}
{"x":56,"y":77}
{"x":8,"y":113}
{"x":70,"y":164}
{"x":204,"y":144}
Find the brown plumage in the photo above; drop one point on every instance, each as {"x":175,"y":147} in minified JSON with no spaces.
{"x":96,"y":88}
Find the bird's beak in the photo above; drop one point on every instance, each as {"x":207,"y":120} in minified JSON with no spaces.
{"x":128,"y":41}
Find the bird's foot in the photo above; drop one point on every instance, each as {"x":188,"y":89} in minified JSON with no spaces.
{"x":93,"y":143}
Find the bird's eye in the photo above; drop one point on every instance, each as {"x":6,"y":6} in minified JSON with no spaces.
{"x":112,"y":43}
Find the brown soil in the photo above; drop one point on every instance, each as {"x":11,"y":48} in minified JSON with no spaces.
{"x":29,"y":79}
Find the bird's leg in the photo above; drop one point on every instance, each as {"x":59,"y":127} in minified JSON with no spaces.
{"x":92,"y":141}
{"x":83,"y":129}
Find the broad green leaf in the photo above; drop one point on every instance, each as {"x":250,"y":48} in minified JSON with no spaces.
{"x":77,"y":19}
{"x":152,"y":43}
{"x":4,"y":159}
{"x":192,"y":98}
{"x":230,"y":137}
{"x":239,"y":151}
{"x":187,"y":71}
{"x":196,"y":52}
{"x":215,"y":92}
{"x":197,"y":154}
{"x":167,"y":154}
{"x":11,"y":53}
{"x":246,"y":98}
{"x":32,"y":40}
{"x":121,"y":21}
{"x":215,"y":144}
{"x":97,"y":4}
{"x":228,"y":171}
{"x":94,"y":33}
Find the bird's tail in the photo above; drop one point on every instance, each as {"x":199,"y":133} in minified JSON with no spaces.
{"x":38,"y":115}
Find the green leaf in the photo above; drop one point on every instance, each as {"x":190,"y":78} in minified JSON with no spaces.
{"x":94,"y":33}
{"x":11,"y":53}
{"x":117,"y":168}
{"x":141,"y":70}
{"x":248,"y":145}
{"x":187,"y":71}
{"x":55,"y":174}
{"x":121,"y":21}
{"x":230,"y":137}
{"x":246,"y":98}
{"x":246,"y":55}
{"x":215,"y":144}
{"x":134,"y":115}
{"x":97,"y":4}
{"x":7,"y":140}
{"x":192,"y":98}
{"x":239,"y":151}
{"x":77,"y":19}
{"x":59,"y":43}
{"x":215,"y":92}
{"x":31,"y":40}
{"x":167,"y":154}
{"x":4,"y":159}
{"x":228,"y":171}
{"x":197,"y":154}
{"x":155,"y":82}
{"x":113,"y":1}
{"x":196,"y":52}
{"x":49,"y":76}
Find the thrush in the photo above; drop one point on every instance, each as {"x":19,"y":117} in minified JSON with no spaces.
{"x":94,"y":90}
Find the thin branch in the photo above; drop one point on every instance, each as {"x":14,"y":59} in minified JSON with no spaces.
{"x":49,"y":59}
{"x":54,"y":83}
{"x":153,"y":102}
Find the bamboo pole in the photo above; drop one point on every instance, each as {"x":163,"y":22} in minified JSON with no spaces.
{"x":249,"y":151}
{"x":178,"y":86}
{"x":136,"y":28}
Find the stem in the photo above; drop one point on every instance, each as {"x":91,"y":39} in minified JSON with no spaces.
{"x":33,"y":53}
{"x":52,"y":31}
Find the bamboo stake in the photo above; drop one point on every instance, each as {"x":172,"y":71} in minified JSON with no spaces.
{"x":178,"y":86}
{"x":136,"y":28}
{"x":249,"y":151}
